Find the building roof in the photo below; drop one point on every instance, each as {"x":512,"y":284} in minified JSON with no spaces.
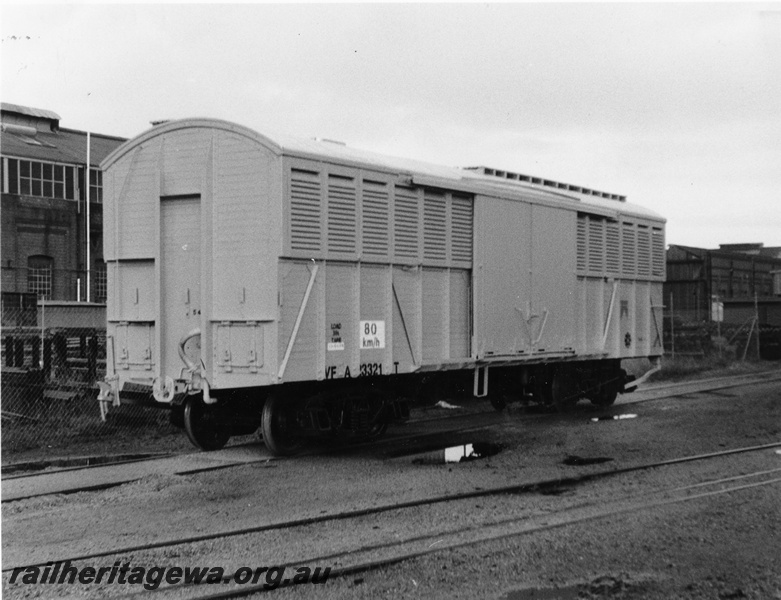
{"x":24,"y":139}
{"x":680,"y":252}
{"x":63,"y":146}
{"x":40,"y":113}
{"x":756,"y":249}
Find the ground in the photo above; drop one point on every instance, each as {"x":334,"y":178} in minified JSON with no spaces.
{"x":137,"y":430}
{"x":721,"y":546}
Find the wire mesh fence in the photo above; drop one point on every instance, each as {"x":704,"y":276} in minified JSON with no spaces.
{"x":53,"y":355}
{"x":40,"y":279}
{"x":747,"y":340}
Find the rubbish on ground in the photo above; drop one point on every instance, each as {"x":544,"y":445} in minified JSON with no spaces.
{"x":614,"y":418}
{"x":443,"y":404}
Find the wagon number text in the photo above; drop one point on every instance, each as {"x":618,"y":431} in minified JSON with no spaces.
{"x":365,"y":370}
{"x":370,"y":369}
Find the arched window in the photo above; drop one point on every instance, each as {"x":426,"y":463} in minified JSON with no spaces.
{"x":39,"y":275}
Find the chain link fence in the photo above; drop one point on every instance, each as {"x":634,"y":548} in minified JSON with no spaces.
{"x":41,"y":280}
{"x":685,"y":336}
{"x":53,"y":355}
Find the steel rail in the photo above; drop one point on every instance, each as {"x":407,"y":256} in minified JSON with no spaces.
{"x":108,"y":463}
{"x":443,"y":498}
{"x":455,"y":415}
{"x":438,"y":539}
{"x":669,"y":391}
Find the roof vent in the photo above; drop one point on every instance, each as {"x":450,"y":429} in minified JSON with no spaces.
{"x":328,"y":141}
{"x":26,"y":134}
{"x":19,"y":129}
{"x":517,"y":177}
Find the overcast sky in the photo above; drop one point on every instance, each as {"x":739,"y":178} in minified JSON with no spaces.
{"x":676,"y":106}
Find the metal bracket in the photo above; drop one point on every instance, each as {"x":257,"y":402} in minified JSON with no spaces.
{"x":403,"y":323}
{"x":480,"y":382}
{"x":658,"y":340}
{"x":299,"y":318}
{"x":657,"y":365}
{"x":609,"y":314}
{"x":198,"y":379}
{"x":109,"y":393}
{"x":163,"y":389}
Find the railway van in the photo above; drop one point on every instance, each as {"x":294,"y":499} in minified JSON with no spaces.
{"x":303,"y":288}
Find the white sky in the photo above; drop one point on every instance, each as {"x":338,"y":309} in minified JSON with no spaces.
{"x":677,"y":106}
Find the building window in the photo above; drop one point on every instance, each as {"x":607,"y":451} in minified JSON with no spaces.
{"x":39,"y":276}
{"x":99,"y":283}
{"x":95,"y":185}
{"x":41,"y":179}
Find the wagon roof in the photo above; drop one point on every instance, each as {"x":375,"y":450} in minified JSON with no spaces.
{"x":473,"y":180}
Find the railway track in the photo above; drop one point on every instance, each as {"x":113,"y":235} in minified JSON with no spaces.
{"x":423,"y":440}
{"x":542,"y":486}
{"x":35,"y":469}
{"x":365,"y":559}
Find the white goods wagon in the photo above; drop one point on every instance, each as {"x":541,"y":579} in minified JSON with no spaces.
{"x":307,"y":288}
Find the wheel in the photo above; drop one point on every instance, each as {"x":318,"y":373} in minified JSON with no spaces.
{"x":498,"y":401}
{"x":378,"y":429}
{"x":277,"y":427}
{"x":204,"y":424}
{"x":562,"y":391}
{"x":608,"y":390}
{"x":606,"y":395}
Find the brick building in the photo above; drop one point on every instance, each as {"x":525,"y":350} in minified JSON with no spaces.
{"x":743,"y":278}
{"x":44,"y":210}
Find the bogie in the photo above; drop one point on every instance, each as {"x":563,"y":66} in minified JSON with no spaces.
{"x":557,"y":386}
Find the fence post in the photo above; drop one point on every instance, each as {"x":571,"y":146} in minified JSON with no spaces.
{"x":748,"y":339}
{"x":19,"y":353}
{"x":9,"y":351}
{"x":47,"y":358}
{"x":672,"y":327}
{"x":718,"y":334}
{"x":92,"y":358}
{"x":36,"y":352}
{"x":60,"y":353}
{"x":756,"y":318}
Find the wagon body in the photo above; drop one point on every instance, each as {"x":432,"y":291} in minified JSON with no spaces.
{"x":241,"y":261}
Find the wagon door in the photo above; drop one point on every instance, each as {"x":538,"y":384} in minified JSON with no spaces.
{"x":180,"y":277}
{"x":502,"y":275}
{"x":525,"y":278}
{"x":552,"y":305}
